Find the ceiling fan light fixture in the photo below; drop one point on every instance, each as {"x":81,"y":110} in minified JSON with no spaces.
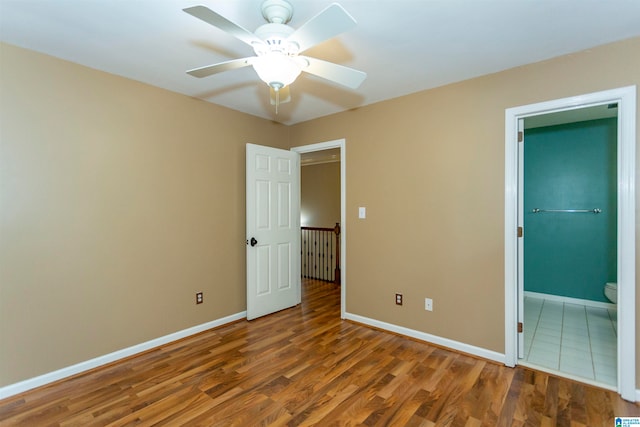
{"x":277,"y":70}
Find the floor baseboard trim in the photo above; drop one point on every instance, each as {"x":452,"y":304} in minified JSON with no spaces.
{"x":570,"y":300}
{"x":41,"y":380}
{"x":434,"y":339}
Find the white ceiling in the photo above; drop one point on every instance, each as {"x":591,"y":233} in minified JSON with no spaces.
{"x":403,"y":45}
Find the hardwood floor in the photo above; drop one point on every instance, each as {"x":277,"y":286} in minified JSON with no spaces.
{"x":305,"y":366}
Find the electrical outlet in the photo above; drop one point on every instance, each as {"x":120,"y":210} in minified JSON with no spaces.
{"x":399,"y":299}
{"x":199,"y":298}
{"x":428,"y":304}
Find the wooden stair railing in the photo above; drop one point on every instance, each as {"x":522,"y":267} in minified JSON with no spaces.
{"x":320,"y":253}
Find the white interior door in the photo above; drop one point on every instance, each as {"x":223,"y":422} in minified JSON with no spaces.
{"x":273,"y":230}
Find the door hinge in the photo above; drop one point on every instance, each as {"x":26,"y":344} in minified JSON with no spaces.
{"x":520,"y":136}
{"x":520,"y":327}
{"x":520,"y":232}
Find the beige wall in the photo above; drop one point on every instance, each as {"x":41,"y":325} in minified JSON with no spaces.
{"x":119,"y":201}
{"x":429,"y":167}
{"x":320,"y":195}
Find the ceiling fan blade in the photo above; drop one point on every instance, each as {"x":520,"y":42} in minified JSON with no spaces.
{"x":336,"y":73}
{"x":282,"y":97}
{"x":327,"y":24}
{"x":219,"y":21}
{"x":220,"y":67}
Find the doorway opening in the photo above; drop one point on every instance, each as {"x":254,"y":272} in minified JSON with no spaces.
{"x":331,"y":152}
{"x":320,"y":215}
{"x":569,"y":209}
{"x":515,"y":234}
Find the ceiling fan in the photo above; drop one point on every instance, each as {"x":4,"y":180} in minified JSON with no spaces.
{"x":278,"y":46}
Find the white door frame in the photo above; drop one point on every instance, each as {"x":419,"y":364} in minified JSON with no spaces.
{"x":626,"y":99}
{"x":342,"y":145}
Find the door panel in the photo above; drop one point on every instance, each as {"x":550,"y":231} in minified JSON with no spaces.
{"x":284,"y":266}
{"x":263,"y":273}
{"x":273,"y":196}
{"x":284,"y":205}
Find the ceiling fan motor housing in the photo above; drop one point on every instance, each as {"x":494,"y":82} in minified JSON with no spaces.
{"x":275,"y":38}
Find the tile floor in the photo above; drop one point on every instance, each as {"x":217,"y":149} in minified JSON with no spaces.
{"x":578,"y":340}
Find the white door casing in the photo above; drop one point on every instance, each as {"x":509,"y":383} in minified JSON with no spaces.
{"x":626,"y":99}
{"x":273,"y":229}
{"x":521,"y":238}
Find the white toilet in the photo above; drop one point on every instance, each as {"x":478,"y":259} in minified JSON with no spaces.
{"x":611,"y":292}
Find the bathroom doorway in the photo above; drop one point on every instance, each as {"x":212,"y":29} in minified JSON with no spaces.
{"x":625,"y":99}
{"x":569,"y":251}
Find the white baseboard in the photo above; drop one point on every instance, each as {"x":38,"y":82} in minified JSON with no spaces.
{"x":31,"y":383}
{"x":434,"y":339}
{"x":444,"y":342}
{"x":22,"y":386}
{"x":570,"y":300}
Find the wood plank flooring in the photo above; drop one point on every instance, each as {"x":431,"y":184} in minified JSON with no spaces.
{"x":304,"y":366}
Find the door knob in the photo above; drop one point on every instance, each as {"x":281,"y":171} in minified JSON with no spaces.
{"x":253,"y":241}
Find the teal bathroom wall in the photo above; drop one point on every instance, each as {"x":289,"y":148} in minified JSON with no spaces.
{"x":570,"y":166}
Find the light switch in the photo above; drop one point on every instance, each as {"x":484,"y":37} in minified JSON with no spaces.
{"x":362,"y":212}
